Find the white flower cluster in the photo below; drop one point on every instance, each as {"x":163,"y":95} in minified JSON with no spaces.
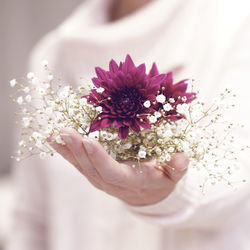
{"x":45,"y":108}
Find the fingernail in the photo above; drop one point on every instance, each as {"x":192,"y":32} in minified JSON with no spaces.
{"x":66,"y":138}
{"x":88,"y":146}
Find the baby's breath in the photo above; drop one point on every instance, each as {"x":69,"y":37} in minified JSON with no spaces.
{"x":45,"y":108}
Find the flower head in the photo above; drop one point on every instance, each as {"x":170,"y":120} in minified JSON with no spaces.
{"x":125,"y":90}
{"x":128,"y":97}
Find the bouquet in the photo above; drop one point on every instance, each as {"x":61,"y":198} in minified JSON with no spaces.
{"x":135,"y":115}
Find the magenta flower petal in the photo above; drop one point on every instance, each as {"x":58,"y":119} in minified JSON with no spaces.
{"x":154,"y":71}
{"x":155,"y":80}
{"x":128,"y":65}
{"x":117,"y":124}
{"x":113,"y":67}
{"x":145,"y":124}
{"x":140,"y":72}
{"x":97,"y":82}
{"x":96,"y":125}
{"x":135,"y":126}
{"x":181,"y":86}
{"x":101,"y":73}
{"x":123,"y":132}
{"x":174,"y":117}
{"x":169,"y":78}
{"x":105,"y":123}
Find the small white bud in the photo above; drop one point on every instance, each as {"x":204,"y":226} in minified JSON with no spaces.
{"x":142,"y":154}
{"x":147,"y":104}
{"x":21,"y":143}
{"x":26,"y":122}
{"x":161,"y":98}
{"x":184,"y":98}
{"x":100,"y":90}
{"x":167,"y":107}
{"x":171,"y":149}
{"x":171,"y":100}
{"x":20,"y":100}
{"x":26,"y":90}
{"x":34,"y":81}
{"x":83,"y":101}
{"x":13,"y":83}
{"x":110,"y":136}
{"x":157,"y":114}
{"x":30,"y":75}
{"x":152,"y":119}
{"x":42,"y":155}
{"x":99,"y":109}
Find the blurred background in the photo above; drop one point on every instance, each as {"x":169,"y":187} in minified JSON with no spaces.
{"x":22,"y":24}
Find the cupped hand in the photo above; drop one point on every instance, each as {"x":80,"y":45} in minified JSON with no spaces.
{"x":136,"y":185}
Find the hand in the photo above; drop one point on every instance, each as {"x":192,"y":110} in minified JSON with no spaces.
{"x":120,"y":179}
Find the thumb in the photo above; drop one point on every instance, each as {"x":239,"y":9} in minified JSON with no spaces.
{"x":177,"y":167}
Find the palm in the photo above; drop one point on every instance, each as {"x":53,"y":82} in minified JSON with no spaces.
{"x":136,"y":184}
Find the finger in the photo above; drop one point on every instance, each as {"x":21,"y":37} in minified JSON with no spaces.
{"x":111,"y":171}
{"x":64,"y":152}
{"x":73,"y":141}
{"x":177,"y":167}
{"x":68,"y":155}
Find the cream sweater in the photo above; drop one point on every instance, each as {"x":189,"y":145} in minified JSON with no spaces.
{"x":208,"y":40}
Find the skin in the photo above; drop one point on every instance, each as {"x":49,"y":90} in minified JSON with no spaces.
{"x":119,"y":179}
{"x":122,"y":8}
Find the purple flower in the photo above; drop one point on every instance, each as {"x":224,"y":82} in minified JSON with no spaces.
{"x":122,"y":92}
{"x":128,"y":96}
{"x":175,"y":94}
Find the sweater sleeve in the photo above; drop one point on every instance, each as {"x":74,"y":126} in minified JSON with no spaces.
{"x":186,"y":205}
{"x":29,"y":213}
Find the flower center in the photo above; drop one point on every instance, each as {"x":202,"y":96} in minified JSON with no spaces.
{"x":128,"y":101}
{"x":125,"y":100}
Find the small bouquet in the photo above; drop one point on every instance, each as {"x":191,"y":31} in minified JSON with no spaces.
{"x":135,"y":116}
